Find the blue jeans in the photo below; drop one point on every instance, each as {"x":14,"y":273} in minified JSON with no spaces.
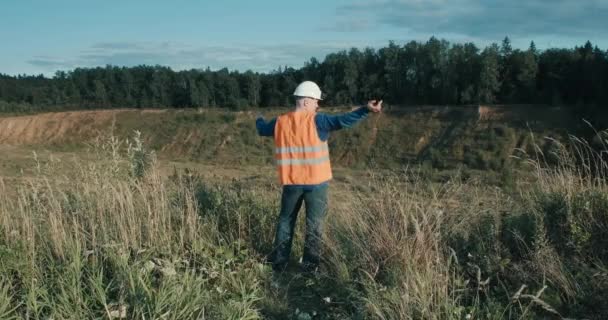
{"x":315,"y":198}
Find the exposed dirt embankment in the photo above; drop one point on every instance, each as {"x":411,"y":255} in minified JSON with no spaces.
{"x":475,"y":135}
{"x":58,"y":127}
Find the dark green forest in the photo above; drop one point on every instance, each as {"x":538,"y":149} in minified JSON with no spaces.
{"x":432,"y":73}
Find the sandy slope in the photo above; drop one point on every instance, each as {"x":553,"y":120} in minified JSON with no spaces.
{"x":56,"y":126}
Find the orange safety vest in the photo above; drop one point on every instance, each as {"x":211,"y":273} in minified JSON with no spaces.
{"x":302,"y":158}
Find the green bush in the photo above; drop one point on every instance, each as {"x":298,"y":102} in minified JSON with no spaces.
{"x":519,"y":234}
{"x":577,"y":226}
{"x":479,"y":244}
{"x":140,"y":158}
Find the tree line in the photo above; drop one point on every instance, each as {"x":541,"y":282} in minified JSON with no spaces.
{"x":434,"y":72}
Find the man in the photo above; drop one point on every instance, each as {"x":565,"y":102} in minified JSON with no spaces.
{"x":304,"y":169}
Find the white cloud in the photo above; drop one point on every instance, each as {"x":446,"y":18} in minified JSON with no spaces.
{"x":489,"y":19}
{"x":179,"y":56}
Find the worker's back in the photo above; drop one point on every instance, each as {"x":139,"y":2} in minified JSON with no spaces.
{"x":302,"y":157}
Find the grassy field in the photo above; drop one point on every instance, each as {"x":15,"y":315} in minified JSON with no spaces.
{"x":122,"y":235}
{"x":111,"y":230}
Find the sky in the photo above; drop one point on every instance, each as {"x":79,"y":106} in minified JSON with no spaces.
{"x":41,"y":37}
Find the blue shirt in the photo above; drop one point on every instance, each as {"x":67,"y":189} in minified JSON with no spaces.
{"x":325,"y":124}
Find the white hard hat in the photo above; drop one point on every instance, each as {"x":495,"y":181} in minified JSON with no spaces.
{"x":308,"y":89}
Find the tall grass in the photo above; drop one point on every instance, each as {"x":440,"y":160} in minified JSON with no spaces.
{"x":567,"y":206}
{"x":111,"y":241}
{"x":115,"y":238}
{"x":390,"y":242}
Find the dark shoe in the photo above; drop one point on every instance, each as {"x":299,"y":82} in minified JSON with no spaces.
{"x":309,"y":268}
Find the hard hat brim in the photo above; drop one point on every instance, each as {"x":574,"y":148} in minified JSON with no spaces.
{"x":295,"y":95}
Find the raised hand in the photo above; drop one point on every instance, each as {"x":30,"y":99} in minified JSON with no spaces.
{"x":374,"y":105}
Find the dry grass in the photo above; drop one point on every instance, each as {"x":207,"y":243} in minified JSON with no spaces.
{"x":393,"y":236}
{"x":102,"y":241}
{"x":98,"y":210}
{"x":118,"y":237}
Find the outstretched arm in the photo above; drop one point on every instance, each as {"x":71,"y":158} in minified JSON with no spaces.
{"x":265,"y":129}
{"x":336,"y":122}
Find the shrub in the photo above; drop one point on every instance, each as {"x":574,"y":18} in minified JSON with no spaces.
{"x":140,"y":158}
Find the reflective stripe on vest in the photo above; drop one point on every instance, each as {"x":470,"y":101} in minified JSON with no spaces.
{"x":296,"y":162}
{"x":319,"y":148}
{"x":301,"y":157}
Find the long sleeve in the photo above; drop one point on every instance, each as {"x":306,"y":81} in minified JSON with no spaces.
{"x":336,"y":122}
{"x":265,"y":129}
{"x":327,"y":123}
